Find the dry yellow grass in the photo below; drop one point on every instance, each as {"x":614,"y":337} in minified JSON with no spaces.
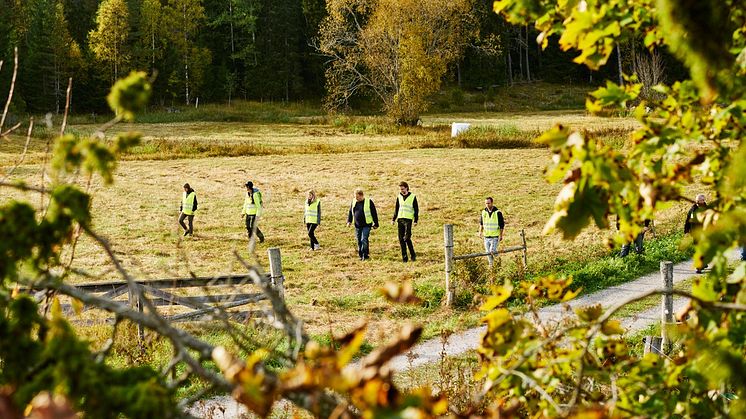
{"x":330,"y":288}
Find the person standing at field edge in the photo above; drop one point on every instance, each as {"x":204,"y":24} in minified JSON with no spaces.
{"x":363,"y":212}
{"x":252,"y":210}
{"x":312,"y":217}
{"x":406,"y":213}
{"x":187,"y":209}
{"x":491,"y":227}
{"x":694,"y":220}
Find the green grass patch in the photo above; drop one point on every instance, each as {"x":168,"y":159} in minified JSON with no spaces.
{"x":610,"y":270}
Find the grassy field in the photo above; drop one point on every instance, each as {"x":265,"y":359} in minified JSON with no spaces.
{"x":330,"y":288}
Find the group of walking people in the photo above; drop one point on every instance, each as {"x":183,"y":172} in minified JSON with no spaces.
{"x":362,"y":215}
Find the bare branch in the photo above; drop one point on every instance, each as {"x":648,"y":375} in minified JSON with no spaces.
{"x":12,"y":88}
{"x":25,"y":151}
{"x":67,"y":105}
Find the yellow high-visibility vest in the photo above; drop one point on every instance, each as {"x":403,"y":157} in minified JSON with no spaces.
{"x":406,"y":207}
{"x":366,"y":210}
{"x":490,"y":223}
{"x":312,"y":212}
{"x":187,"y":203}
{"x":252,"y":206}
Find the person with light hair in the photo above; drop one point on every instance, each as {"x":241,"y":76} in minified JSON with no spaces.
{"x":312,"y":217}
{"x":695,"y":219}
{"x":363,"y":213}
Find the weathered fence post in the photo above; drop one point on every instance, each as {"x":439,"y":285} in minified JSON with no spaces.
{"x":275,"y":270}
{"x":666,"y":305}
{"x":135,"y":302}
{"x":523,"y":239}
{"x":450,"y":286}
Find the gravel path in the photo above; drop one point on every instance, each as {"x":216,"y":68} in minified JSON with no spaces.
{"x":459,"y":343}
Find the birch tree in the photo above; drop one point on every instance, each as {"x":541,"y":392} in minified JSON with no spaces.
{"x":109,"y":40}
{"x":183,"y":19}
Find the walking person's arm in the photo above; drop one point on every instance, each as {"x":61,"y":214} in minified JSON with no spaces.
{"x":501,"y":224}
{"x":319,"y":220}
{"x":396,"y":211}
{"x":481,"y":226}
{"x":374,"y":214}
{"x":194,"y":207}
{"x":416,"y":210}
{"x":349,"y":216}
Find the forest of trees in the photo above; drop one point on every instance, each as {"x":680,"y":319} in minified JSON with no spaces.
{"x":218,"y":50}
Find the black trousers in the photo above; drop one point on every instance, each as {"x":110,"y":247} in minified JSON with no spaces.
{"x":251,"y":226}
{"x":405,"y":238}
{"x":311,"y":228}
{"x":189,"y":218}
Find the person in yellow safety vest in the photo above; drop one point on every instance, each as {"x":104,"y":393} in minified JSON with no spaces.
{"x":312,"y":217}
{"x":363,"y":213}
{"x":491,"y":227}
{"x":406,"y":213}
{"x":252,"y":210}
{"x":187,"y":209}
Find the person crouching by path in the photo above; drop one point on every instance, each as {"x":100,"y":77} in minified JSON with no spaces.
{"x":188,"y":208}
{"x":491,"y":226}
{"x":363,"y":212}
{"x":312,"y":217}
{"x":252,"y":210}
{"x":406,"y":213}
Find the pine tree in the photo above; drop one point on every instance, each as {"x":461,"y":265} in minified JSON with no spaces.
{"x":66,"y":55}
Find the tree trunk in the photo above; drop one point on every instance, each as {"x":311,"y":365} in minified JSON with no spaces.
{"x":510,"y":68}
{"x":619,"y":62}
{"x":528,"y":68}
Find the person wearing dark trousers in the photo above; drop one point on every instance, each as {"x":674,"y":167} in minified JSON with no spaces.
{"x":363,"y":213}
{"x":187,"y":209}
{"x":637,"y":242}
{"x":406,"y":214}
{"x":312,"y":217}
{"x":694,"y":219}
{"x":252,"y":210}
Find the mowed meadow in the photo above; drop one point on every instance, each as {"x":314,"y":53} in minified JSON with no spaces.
{"x":331,"y":289}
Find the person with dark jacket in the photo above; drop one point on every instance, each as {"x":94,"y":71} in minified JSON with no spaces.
{"x":638,"y":241}
{"x":187,"y":209}
{"x":406,"y":214}
{"x":363,"y":213}
{"x":312,"y":217}
{"x":694,"y":216}
{"x":694,"y":219}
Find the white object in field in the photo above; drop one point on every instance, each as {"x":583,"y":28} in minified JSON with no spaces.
{"x":459,"y":127}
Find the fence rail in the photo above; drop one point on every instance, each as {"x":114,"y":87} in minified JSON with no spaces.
{"x":161,"y":292}
{"x":450,"y":258}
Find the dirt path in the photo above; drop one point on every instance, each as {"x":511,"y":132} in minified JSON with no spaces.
{"x":459,"y":343}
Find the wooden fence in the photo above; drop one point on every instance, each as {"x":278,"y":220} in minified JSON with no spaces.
{"x":450,"y":258}
{"x":231,"y":292}
{"x":663,"y":344}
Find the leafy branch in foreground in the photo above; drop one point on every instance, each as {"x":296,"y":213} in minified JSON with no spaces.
{"x":691,"y":136}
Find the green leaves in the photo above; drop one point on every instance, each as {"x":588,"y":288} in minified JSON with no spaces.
{"x":18,"y":230}
{"x":130,"y":95}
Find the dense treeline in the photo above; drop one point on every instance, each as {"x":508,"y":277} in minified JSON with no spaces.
{"x":219,"y":50}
